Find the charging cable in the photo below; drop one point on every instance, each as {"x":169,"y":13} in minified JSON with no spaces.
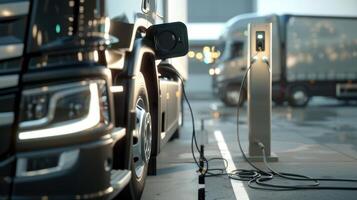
{"x":256,"y":177}
{"x":202,"y":163}
{"x":259,"y":179}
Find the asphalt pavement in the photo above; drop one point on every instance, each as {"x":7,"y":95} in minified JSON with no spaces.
{"x":319,"y":140}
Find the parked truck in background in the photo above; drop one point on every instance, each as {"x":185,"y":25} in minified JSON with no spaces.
{"x":85,"y":105}
{"x":312,"y":56}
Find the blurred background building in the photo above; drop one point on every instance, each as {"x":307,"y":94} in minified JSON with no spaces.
{"x":206,"y":19}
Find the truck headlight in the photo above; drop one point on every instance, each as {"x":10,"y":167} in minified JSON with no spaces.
{"x":217,"y":71}
{"x":64,"y":109}
{"x":211,"y":71}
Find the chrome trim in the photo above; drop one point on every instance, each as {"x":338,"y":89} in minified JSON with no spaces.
{"x":11,"y":50}
{"x":53,"y":103}
{"x":54,"y":88}
{"x":145,"y":6}
{"x":66,"y":161}
{"x":117,"y":89}
{"x":9,"y":81}
{"x":70,"y":127}
{"x":121,"y":180}
{"x":95,"y":195}
{"x":6,"y":118}
{"x":118,"y":133}
{"x":119,"y":64}
{"x":139,"y":22}
{"x":14,"y":9}
{"x":163,"y":135}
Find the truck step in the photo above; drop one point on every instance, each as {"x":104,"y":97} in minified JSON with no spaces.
{"x":119,"y":179}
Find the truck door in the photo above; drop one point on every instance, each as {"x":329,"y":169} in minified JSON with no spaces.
{"x":170,"y":100}
{"x":172,"y":106}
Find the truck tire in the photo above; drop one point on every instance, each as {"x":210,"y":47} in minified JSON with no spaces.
{"x":298,"y":96}
{"x":231,"y":94}
{"x":141,"y":142}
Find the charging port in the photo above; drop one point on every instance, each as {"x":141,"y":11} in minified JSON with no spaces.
{"x":260,"y":41}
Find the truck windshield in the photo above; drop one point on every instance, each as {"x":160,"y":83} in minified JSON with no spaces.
{"x":232,"y":50}
{"x":57,"y":22}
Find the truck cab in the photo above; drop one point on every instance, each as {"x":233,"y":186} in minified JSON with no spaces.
{"x":84,"y":105}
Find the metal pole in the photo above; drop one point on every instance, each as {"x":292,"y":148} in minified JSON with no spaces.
{"x":259,"y":90}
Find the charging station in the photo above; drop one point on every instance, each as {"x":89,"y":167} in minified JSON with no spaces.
{"x":259,"y":87}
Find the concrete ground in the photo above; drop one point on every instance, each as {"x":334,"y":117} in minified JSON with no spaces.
{"x":318,"y":141}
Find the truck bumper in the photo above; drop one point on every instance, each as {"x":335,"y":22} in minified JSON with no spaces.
{"x":76,"y":172}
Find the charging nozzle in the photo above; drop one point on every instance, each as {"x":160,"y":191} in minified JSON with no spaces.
{"x":261,"y":145}
{"x":254,"y":59}
{"x":265,"y":59}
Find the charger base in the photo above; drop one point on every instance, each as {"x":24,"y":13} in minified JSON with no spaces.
{"x":272,"y":158}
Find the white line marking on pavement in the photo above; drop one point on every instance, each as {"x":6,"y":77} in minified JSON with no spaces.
{"x":238,"y":187}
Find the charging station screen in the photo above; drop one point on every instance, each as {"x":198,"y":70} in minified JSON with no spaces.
{"x":260,"y":41}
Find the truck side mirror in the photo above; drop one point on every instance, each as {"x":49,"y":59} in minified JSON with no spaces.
{"x":170,"y":39}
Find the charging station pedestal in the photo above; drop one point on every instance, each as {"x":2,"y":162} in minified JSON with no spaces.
{"x":259,"y":85}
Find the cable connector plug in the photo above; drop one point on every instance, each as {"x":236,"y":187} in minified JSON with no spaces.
{"x":261,"y":145}
{"x":202,"y":170}
{"x":254,"y":59}
{"x":265,"y":59}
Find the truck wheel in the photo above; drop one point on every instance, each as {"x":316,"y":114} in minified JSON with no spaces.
{"x":141,"y":142}
{"x":298,"y":96}
{"x":231,"y":96}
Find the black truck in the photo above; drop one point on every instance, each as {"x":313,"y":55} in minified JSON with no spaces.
{"x":86,"y":96}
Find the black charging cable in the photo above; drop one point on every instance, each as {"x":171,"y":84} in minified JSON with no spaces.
{"x":259,"y":179}
{"x":202,"y":163}
{"x":256,"y":177}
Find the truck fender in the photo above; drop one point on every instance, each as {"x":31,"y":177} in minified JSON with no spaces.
{"x":142,"y":59}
